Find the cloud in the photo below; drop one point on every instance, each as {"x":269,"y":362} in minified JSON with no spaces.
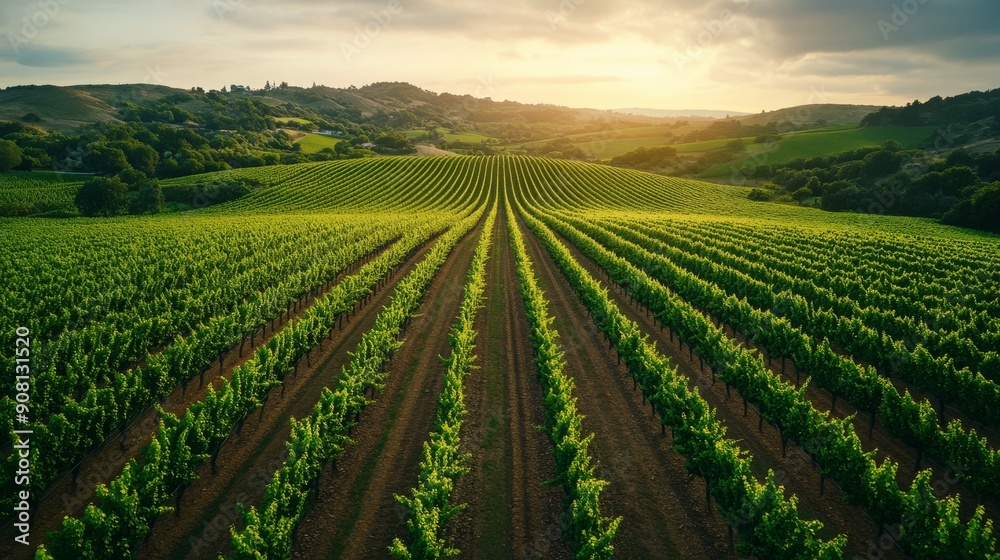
{"x":39,"y":56}
{"x":802,"y":26}
{"x":567,"y":80}
{"x":624,"y":52}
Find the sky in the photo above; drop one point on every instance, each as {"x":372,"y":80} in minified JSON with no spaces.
{"x":739,"y":55}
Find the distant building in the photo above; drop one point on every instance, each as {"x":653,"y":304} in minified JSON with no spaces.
{"x":368,"y":145}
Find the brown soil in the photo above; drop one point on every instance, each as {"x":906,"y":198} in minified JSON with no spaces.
{"x":356,"y":515}
{"x":104,"y":464}
{"x":794,"y":471}
{"x":510,"y":513}
{"x":664,"y":515}
{"x":950,"y":410}
{"x":248,"y":460}
{"x":885,"y":445}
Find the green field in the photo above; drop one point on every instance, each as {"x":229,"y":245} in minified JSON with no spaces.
{"x":286,"y":120}
{"x":23,"y":193}
{"x":467,"y":137}
{"x":604,"y":150}
{"x":805,"y":144}
{"x":649,"y":132}
{"x":307,"y":322}
{"x":822,"y":143}
{"x":312,"y":143}
{"x":818,"y":143}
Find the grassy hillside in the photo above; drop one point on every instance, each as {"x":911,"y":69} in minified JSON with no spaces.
{"x":610,"y":144}
{"x":65,"y":108}
{"x":282,"y":121}
{"x":467,"y":137}
{"x":613,"y":148}
{"x":803,"y":115}
{"x":313,"y":143}
{"x":809,"y":144}
{"x":607,"y":144}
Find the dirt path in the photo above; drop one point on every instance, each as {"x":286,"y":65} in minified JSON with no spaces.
{"x":510,"y":514}
{"x":356,"y":515}
{"x":247,"y":462}
{"x":794,"y":471}
{"x":104,"y":464}
{"x":664,"y":514}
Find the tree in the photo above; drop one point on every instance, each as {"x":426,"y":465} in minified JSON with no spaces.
{"x":10,"y":155}
{"x":985,"y":208}
{"x":106,"y":160}
{"x":892,"y":146}
{"x":34,"y":158}
{"x":979,"y":211}
{"x":144,"y":193}
{"x":814,"y":186}
{"x":102,"y":196}
{"x":147,"y":198}
{"x":763,"y":171}
{"x":802,"y":194}
{"x":960,"y":157}
{"x":956,"y":179}
{"x":844,"y":195}
{"x":139,"y":156}
{"x":882,"y":162}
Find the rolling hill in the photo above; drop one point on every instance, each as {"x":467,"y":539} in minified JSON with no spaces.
{"x":64,"y":109}
{"x":800,"y":116}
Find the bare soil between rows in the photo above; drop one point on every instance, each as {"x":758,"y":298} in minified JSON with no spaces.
{"x":793,"y":470}
{"x":65,"y":498}
{"x":664,"y":514}
{"x":511,"y":512}
{"x":355,"y":514}
{"x":247,"y":462}
{"x":884,"y":444}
